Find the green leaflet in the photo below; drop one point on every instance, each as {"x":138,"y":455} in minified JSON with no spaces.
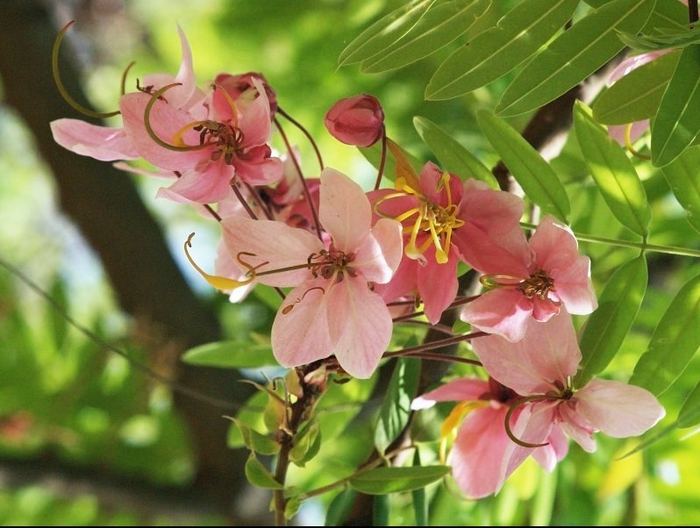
{"x":612,"y":172}
{"x":231,"y":354}
{"x":495,"y":52}
{"x":451,"y":154}
{"x":258,"y":475}
{"x":442,"y":23}
{"x":574,"y":55}
{"x":531,"y":171}
{"x":670,"y":39}
{"x":608,"y":325}
{"x":384,"y":32}
{"x":396,"y":407}
{"x":637,"y":95}
{"x":384,"y":480}
{"x":675,"y":340}
{"x":677,"y":122}
{"x":682,"y":176}
{"x":689,"y":415}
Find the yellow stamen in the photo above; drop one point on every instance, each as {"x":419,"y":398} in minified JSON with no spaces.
{"x":628,"y":143}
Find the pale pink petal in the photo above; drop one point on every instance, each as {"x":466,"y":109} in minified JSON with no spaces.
{"x":257,"y":168}
{"x":618,"y":132}
{"x":360,"y":326}
{"x":617,"y":409}
{"x":459,"y":390}
{"x":502,"y":312}
{"x":548,"y":353}
{"x":300,"y":333}
{"x":556,"y":449}
{"x":275,"y":246}
{"x":437,"y":284}
{"x":255,"y":121}
{"x":533,"y":426}
{"x":543,"y":309}
{"x":477,"y":456}
{"x":575,"y":426}
{"x":573,"y":286}
{"x":99,"y":142}
{"x":380,"y":253}
{"x":208,"y":186}
{"x":345,"y":211}
{"x":225,"y":266}
{"x":505,"y":253}
{"x":402,"y":283}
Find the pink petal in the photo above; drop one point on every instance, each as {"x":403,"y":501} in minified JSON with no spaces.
{"x":379,"y":255}
{"x":360,"y":326}
{"x":556,"y":449}
{"x":259,"y":170}
{"x":548,"y":353}
{"x":502,"y":312}
{"x":477,"y":456}
{"x":208,"y":186}
{"x":255,"y":121}
{"x":618,"y":409}
{"x":345,"y":211}
{"x":575,"y":426}
{"x":276,"y":246}
{"x":300,"y":333}
{"x":533,"y":425}
{"x":437,"y":284}
{"x":459,"y":390}
{"x":99,"y":142}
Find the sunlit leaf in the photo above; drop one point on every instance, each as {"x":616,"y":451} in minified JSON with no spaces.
{"x":682,"y":177}
{"x":231,"y":354}
{"x":574,"y":55}
{"x":384,"y":480}
{"x":675,"y":340}
{"x":677,"y":122}
{"x":496,"y":51}
{"x":451,"y":154}
{"x":689,"y":415}
{"x":530,"y":170}
{"x":637,"y":95}
{"x":385,"y":32}
{"x":396,"y":407}
{"x":612,"y":172}
{"x":258,"y":475}
{"x":608,"y":325}
{"x":255,"y":441}
{"x":442,"y":23}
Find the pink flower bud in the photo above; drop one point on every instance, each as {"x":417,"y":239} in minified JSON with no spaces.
{"x":357,"y":120}
{"x":241,"y":86}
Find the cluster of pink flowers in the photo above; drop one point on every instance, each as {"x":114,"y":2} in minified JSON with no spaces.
{"x":349,"y":258}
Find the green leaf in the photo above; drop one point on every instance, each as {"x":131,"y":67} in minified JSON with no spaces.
{"x":385,"y":32}
{"x":307,"y":442}
{"x":531,"y":171}
{"x":258,"y":475}
{"x":689,"y":415}
{"x":612,"y":172}
{"x":498,"y":50}
{"x":443,"y":22}
{"x":675,"y":340}
{"x":574,"y":55}
{"x":451,"y":154}
{"x":420,"y":499}
{"x":608,"y":325}
{"x":380,"y":510}
{"x":396,"y":407}
{"x":682,"y":176}
{"x":340,"y":507}
{"x":677,"y":122}
{"x":384,"y":480}
{"x":670,"y":39}
{"x":637,"y":95}
{"x":255,"y":441}
{"x":231,"y":354}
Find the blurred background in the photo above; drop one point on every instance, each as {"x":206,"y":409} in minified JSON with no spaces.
{"x":87,"y":437}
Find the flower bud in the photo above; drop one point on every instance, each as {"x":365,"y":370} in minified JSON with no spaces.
{"x":357,"y":120}
{"x":241,"y":88}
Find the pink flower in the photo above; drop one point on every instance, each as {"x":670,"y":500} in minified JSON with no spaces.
{"x":357,"y":120}
{"x":444,"y":221}
{"x":112,"y":143}
{"x":332,"y":309}
{"x":479,"y":449}
{"x":207,"y":153}
{"x":541,"y":367}
{"x":531,"y":280}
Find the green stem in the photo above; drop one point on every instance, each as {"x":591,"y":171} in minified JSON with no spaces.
{"x":644,"y":246}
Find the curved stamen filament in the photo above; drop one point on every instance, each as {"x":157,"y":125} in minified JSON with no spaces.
{"x":220,"y":283}
{"x":516,"y":405}
{"x":289,"y":307}
{"x":628,"y":143}
{"x":62,"y":89}
{"x":231,"y":103}
{"x":152,"y":134}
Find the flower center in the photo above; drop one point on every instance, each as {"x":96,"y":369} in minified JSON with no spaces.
{"x":539,"y":284}
{"x":428,"y":218}
{"x":225,"y":137}
{"x":331,"y":263}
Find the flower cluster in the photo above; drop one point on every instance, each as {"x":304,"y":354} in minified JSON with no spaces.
{"x":346,"y":261}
